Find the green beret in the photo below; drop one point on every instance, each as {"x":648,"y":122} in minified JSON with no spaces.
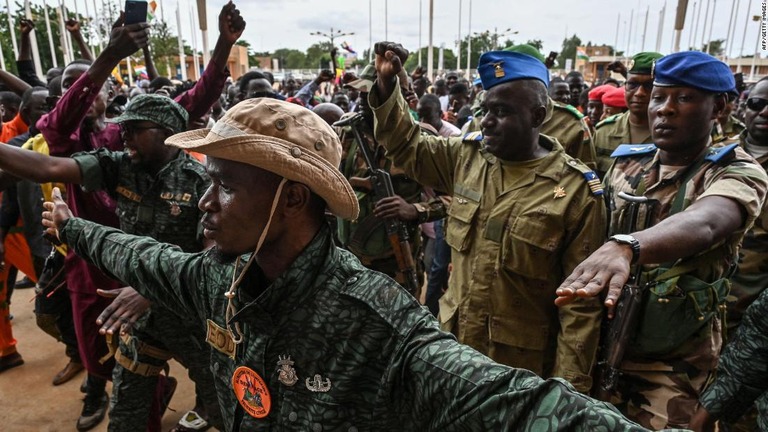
{"x":642,"y":63}
{"x":526,"y":49}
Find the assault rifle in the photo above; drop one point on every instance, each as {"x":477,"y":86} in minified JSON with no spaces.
{"x":618,"y":332}
{"x":381,"y":185}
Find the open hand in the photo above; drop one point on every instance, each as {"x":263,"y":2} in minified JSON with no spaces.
{"x":123,"y":312}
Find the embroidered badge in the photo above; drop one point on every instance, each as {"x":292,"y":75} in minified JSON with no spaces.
{"x":175,"y":209}
{"x":286,"y":374}
{"x":317,"y":384}
{"x":498,"y":70}
{"x":251,"y":391}
{"x":559,"y":192}
{"x":220,"y":339}
{"x":631,"y":64}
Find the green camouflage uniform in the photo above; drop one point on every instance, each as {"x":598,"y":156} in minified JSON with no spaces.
{"x":564,"y":123}
{"x":609,"y":134}
{"x":163,"y":207}
{"x":366,"y":237}
{"x":661,"y":390}
{"x":385,"y":364}
{"x":512,"y":241}
{"x":742,"y":372}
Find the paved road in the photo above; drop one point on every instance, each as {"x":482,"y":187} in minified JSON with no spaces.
{"x":30,"y":403}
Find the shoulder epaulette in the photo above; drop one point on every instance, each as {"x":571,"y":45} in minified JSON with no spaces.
{"x":473,"y":136}
{"x":608,"y":120}
{"x":716,"y":153}
{"x":633,"y":150}
{"x":568,"y":108}
{"x":593,"y":181}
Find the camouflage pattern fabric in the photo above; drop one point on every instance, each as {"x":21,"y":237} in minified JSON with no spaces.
{"x":386,"y":364}
{"x":742,"y":372}
{"x":164,"y":207}
{"x":662,"y":392}
{"x":609,"y":134}
{"x":515,"y":231}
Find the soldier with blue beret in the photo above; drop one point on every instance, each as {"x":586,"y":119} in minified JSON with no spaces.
{"x":523,"y":214}
{"x":702,"y":200}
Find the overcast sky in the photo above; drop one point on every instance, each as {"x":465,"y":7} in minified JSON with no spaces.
{"x":273,"y":24}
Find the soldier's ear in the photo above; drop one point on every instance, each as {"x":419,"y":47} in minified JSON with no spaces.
{"x":721,"y":100}
{"x":538,"y":115}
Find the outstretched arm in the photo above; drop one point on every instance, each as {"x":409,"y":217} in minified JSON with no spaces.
{"x":38,"y":167}
{"x":150,"y":64}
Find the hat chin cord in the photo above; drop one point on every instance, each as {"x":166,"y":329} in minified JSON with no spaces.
{"x":237,"y":334}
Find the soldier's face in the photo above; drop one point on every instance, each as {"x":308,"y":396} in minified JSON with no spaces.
{"x":594,"y":111}
{"x":512,"y":114}
{"x":756,"y":114}
{"x":681,"y":118}
{"x":236,"y":206}
{"x":560,"y":92}
{"x":637,"y":93}
{"x":576,"y":86}
{"x":143,"y":142}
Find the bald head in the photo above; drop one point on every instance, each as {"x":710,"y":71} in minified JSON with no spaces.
{"x":329,"y":112}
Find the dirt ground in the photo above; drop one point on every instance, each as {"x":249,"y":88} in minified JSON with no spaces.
{"x":30,"y":403}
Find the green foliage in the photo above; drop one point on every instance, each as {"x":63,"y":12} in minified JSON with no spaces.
{"x":568,"y":51}
{"x":715,"y":47}
{"x":290,"y":58}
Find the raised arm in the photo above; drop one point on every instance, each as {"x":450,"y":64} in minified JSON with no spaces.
{"x":73,"y":27}
{"x":24,"y":63}
{"x":14,"y":83}
{"x":149,"y":63}
{"x":208,"y":88}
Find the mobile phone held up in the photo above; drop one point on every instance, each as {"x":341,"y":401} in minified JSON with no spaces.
{"x":135,"y":11}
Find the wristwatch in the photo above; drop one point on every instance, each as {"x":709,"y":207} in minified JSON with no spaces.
{"x":627,"y":239}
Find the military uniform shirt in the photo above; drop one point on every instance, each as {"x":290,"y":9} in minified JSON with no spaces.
{"x":163,"y":206}
{"x":735,"y":176}
{"x":385,"y":362}
{"x":512,"y":245}
{"x":609,"y":134}
{"x":570,"y":128}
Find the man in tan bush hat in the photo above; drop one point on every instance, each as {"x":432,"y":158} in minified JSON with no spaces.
{"x":303,"y":336}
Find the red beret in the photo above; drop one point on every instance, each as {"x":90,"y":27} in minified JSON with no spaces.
{"x":614,"y":97}
{"x":596,"y":94}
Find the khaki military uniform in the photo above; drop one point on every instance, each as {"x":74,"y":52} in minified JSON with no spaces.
{"x":564,"y":123}
{"x":730,"y":131}
{"x":515,"y":230}
{"x":662,"y":390}
{"x":609,"y":134}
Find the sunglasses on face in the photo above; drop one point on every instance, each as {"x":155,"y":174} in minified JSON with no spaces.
{"x":756,"y":103}
{"x":126,"y":131}
{"x":647,"y":86}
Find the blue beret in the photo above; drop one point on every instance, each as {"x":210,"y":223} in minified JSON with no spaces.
{"x":693,"y":69}
{"x":497,"y":67}
{"x":477,"y":81}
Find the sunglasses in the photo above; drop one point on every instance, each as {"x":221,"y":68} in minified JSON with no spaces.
{"x":126,"y":131}
{"x":647,"y":86}
{"x":756,"y":103}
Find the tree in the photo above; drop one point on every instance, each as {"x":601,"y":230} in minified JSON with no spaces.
{"x":715,"y":47}
{"x":290,"y":58}
{"x":569,"y":50}
{"x":318,"y":56}
{"x":536,"y":43}
{"x":449,"y":59}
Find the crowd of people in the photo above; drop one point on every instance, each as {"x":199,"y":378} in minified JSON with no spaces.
{"x":378,"y":251}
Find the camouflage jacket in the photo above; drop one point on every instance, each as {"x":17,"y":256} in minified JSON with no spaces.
{"x":727,"y":172}
{"x":163,"y":206}
{"x":752,"y":271}
{"x":609,"y":134}
{"x":512,"y":242}
{"x":380,"y":359}
{"x":742,"y":372}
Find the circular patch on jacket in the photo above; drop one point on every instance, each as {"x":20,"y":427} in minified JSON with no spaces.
{"x":251,"y":391}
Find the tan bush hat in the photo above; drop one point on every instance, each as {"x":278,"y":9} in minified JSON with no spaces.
{"x":283,"y":138}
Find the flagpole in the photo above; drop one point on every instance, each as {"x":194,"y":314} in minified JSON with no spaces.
{"x":66,"y":33}
{"x":50,"y":35}
{"x":12,"y":29}
{"x":90,"y":27}
{"x":202,"y":16}
{"x":458,"y":51}
{"x":469,"y":43}
{"x":96,"y":14}
{"x":660,"y":32}
{"x":744,"y":37}
{"x":732,"y":34}
{"x":182,"y":56}
{"x":711,"y":24}
{"x":420,"y":21}
{"x":616,"y":43}
{"x":195,"y":61}
{"x":704,"y":29}
{"x":629,"y":33}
